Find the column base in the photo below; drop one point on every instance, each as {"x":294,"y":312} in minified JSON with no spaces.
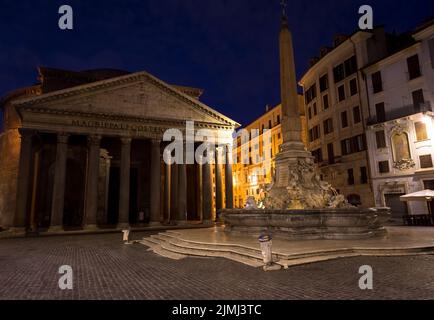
{"x":90,"y":227}
{"x":53,"y":229}
{"x":181,"y":222}
{"x":210,"y":222}
{"x":17,"y":230}
{"x":155,"y":224}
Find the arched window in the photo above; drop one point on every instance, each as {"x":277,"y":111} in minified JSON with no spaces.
{"x":354,"y":199}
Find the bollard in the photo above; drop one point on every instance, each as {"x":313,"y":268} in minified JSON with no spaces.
{"x":266,"y":244}
{"x":126,"y":236}
{"x":267,"y":253}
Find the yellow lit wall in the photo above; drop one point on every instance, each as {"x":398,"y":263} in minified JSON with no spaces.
{"x":246,"y":183}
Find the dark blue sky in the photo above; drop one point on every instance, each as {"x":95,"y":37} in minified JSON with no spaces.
{"x":227,"y":47}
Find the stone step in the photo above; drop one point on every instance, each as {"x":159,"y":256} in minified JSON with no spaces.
{"x":158,"y":249}
{"x":148,"y":243}
{"x":200,"y":252}
{"x":157,"y":238}
{"x":256,"y":254}
{"x":168,"y":254}
{"x":175,"y":238}
{"x":239,"y":253}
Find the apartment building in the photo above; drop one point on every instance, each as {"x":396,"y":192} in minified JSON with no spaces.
{"x":400,"y":131}
{"x":336,"y":110}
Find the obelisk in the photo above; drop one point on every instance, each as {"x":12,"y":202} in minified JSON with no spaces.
{"x":292,"y":148}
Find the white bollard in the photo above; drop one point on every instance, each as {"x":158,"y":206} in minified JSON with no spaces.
{"x":267,"y":253}
{"x":126,"y":236}
{"x":266,"y":243}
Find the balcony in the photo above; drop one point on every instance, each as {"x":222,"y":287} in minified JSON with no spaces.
{"x":401,"y":113}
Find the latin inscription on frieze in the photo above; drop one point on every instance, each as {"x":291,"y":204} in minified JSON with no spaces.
{"x":95,"y":124}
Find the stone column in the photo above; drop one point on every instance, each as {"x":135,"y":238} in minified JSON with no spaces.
{"x":228,"y":179}
{"x":218,"y":181}
{"x":174,"y":193}
{"x":92,"y":181}
{"x":167,"y":189}
{"x":124,"y":185}
{"x":207,"y":191}
{"x":155,"y":182}
{"x":59,"y":182}
{"x":182,"y":193}
{"x":200,"y":189}
{"x":19,"y":221}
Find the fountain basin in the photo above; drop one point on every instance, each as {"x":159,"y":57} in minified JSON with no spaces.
{"x":331,"y":224}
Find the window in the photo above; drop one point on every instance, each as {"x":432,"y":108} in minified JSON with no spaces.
{"x":377,"y":82}
{"x":381,"y":139}
{"x":429,"y":185}
{"x":418,"y":99}
{"x":421,"y":133}
{"x":269,"y":124}
{"x":353,"y":145}
{"x":356,"y":114}
{"x":310,"y":94}
{"x":355,"y":200}
{"x":325,"y":101}
{"x":413,"y":67}
{"x":381,"y":112}
{"x":350,"y":66}
{"x":317,"y":154}
{"x":324,"y":83}
{"x":279,"y":136}
{"x":350,"y":173}
{"x":341,"y":93}
{"x":383,"y":167}
{"x":363,"y":175}
{"x":331,"y":153}
{"x":426,"y":161}
{"x":339,"y":73}
{"x":278,"y":119}
{"x":344,"y":119}
{"x":328,"y":126}
{"x":315,"y":109}
{"x":314,"y":133}
{"x":353,"y":87}
{"x":309,"y":111}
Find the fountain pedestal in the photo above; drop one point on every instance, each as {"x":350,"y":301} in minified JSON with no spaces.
{"x":331,"y":224}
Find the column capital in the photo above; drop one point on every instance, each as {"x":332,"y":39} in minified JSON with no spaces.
{"x":94,"y":140}
{"x":63,"y":137}
{"x":125,"y":141}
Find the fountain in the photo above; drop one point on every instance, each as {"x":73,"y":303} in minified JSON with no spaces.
{"x":298,"y":205}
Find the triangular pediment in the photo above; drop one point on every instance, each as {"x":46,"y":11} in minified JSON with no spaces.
{"x":136,"y":95}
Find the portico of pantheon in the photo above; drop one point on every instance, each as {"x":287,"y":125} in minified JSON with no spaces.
{"x":84,"y":150}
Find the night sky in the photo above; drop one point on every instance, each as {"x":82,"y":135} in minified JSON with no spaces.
{"x":227,"y":47}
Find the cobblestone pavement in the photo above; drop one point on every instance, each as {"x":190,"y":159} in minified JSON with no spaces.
{"x":105,"y":268}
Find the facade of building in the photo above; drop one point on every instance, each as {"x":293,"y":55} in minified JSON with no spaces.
{"x":250,"y":178}
{"x":84,"y":150}
{"x":337,"y":110}
{"x":400,"y":131}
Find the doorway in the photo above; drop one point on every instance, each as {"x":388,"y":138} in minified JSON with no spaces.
{"x":74,"y":195}
{"x":113,"y":200}
{"x":399,"y":208}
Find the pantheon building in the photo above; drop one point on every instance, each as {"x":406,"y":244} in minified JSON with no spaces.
{"x":84,"y":151}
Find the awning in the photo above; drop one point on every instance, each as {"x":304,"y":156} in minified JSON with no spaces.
{"x":425,"y":195}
